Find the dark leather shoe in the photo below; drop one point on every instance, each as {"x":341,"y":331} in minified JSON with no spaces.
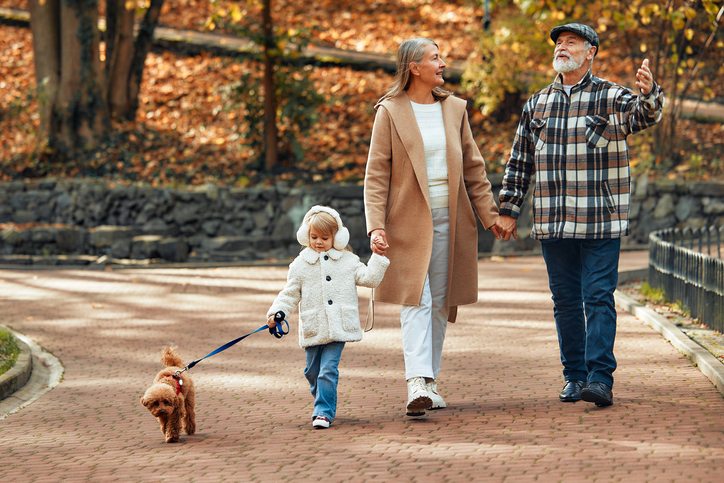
{"x":598,"y":393}
{"x":571,"y":391}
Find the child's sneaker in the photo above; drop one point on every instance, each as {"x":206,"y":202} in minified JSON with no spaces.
{"x":320,"y":422}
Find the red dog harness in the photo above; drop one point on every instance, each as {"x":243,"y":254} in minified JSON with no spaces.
{"x":179,"y":383}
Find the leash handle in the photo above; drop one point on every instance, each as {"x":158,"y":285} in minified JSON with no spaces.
{"x":278,"y":331}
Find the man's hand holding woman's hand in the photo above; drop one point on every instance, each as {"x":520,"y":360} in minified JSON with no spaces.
{"x":505,"y":227}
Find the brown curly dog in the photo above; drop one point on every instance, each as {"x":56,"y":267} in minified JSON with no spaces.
{"x":171,"y":400}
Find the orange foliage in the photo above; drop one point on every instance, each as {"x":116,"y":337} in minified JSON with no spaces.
{"x":187,"y":130}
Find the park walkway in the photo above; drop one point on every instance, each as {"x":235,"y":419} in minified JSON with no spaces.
{"x":501,"y":377}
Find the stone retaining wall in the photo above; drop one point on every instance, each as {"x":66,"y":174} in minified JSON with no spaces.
{"x":667,"y":203}
{"x":82,"y":222}
{"x":87,"y":220}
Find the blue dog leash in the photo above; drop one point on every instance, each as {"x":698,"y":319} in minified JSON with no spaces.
{"x":277,"y":332}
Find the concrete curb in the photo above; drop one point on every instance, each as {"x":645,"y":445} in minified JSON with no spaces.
{"x":47,"y":372}
{"x":19,"y":374}
{"x":626,"y":276}
{"x":709,"y":365}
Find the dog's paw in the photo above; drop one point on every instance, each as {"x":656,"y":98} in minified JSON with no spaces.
{"x":172,"y":435}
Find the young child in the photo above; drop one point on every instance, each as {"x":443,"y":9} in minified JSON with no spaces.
{"x":323,"y":280}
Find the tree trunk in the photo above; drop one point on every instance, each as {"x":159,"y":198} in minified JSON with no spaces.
{"x":119,"y":101}
{"x":111,"y":26}
{"x":140,"y":51}
{"x":82,"y":108}
{"x":46,"y":41}
{"x":270,"y":108}
{"x":69,"y":81}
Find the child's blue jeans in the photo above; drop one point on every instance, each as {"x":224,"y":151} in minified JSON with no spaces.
{"x":322,"y":372}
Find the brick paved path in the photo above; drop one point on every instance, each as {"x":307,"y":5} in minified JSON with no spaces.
{"x":501,"y":376}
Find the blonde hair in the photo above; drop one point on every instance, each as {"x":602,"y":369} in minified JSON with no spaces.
{"x":325,"y":224}
{"x":411,"y":50}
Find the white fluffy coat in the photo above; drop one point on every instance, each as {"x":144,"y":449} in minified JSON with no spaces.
{"x":315,"y":280}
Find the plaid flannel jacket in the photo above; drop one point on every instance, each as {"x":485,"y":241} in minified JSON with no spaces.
{"x":577,"y":148}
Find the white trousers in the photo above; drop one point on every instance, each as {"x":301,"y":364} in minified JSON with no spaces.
{"x":423,"y":326}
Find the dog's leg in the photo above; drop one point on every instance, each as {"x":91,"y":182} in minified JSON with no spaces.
{"x":190,"y":416}
{"x":163,"y":421}
{"x":173,"y":425}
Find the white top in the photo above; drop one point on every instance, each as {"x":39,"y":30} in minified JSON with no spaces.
{"x":432,"y":128}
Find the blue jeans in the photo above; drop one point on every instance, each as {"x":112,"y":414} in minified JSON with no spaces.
{"x":322,"y":372}
{"x":582,"y":275}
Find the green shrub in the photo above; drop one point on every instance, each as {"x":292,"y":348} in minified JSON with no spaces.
{"x":9,"y":351}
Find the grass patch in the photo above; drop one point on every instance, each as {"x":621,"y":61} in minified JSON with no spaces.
{"x":679,"y":307}
{"x":656,"y":295}
{"x":9,"y":351}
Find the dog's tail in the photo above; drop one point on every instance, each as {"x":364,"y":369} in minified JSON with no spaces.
{"x":170,"y":358}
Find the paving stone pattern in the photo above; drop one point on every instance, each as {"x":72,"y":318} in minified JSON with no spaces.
{"x":501,"y":377}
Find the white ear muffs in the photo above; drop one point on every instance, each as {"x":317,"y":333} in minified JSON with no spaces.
{"x":341,"y":238}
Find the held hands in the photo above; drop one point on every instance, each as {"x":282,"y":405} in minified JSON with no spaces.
{"x":378,"y":242}
{"x":505,"y":227}
{"x":644,"y":78}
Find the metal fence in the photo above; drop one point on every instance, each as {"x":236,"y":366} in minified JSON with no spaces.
{"x":688,"y":265}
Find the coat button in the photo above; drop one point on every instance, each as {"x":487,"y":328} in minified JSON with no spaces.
{"x":329,"y":302}
{"x":326,"y":257}
{"x":329,"y":278}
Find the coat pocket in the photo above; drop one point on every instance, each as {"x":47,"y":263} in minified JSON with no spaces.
{"x":538,"y":129}
{"x":596,"y":135}
{"x":610,"y":204}
{"x":350,"y":319}
{"x":309,"y":323}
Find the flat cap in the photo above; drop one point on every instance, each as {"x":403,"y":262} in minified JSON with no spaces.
{"x":583,"y":30}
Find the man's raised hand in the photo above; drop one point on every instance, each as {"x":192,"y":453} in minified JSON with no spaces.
{"x":644,"y":78}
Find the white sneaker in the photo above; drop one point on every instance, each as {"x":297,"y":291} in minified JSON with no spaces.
{"x":437,"y":401}
{"x":418,"y":398}
{"x":320,"y":422}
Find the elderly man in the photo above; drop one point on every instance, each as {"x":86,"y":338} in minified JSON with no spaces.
{"x":572,"y":135}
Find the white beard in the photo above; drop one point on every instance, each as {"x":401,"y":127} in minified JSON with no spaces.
{"x":566,"y":65}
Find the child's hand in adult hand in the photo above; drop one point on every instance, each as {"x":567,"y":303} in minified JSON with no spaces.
{"x":379,"y":246}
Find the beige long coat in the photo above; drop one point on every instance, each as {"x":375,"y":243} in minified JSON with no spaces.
{"x":397,"y":199}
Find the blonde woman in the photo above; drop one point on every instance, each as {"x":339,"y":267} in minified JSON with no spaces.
{"x":424,"y":177}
